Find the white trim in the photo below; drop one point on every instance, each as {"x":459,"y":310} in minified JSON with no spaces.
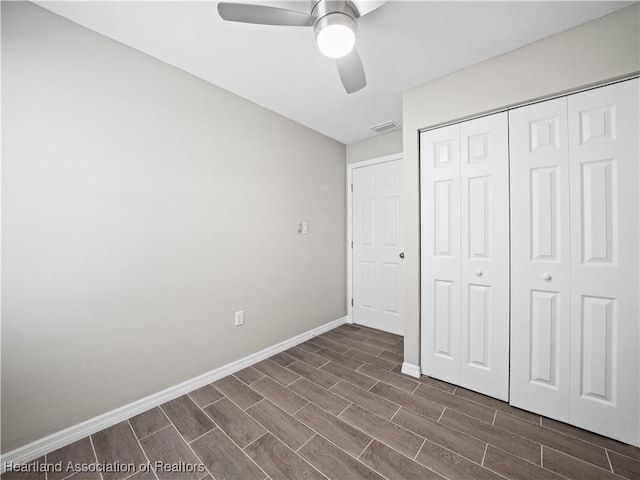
{"x":375,"y":161}
{"x":411,"y":370}
{"x":350,"y":168}
{"x":72,"y":434}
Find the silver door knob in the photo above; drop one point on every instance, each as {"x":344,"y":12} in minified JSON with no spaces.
{"x":478,"y":272}
{"x":546,"y":277}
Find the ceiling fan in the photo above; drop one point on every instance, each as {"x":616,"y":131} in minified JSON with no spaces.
{"x":334,"y":24}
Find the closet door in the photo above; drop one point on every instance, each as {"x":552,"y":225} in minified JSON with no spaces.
{"x":484,"y":322}
{"x":603,"y":148}
{"x":540,"y":263}
{"x":440,"y":207}
{"x":465,"y":260}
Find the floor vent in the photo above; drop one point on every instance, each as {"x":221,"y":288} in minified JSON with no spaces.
{"x":385,"y":127}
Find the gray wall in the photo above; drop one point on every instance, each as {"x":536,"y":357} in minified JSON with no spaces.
{"x":603,"y":49}
{"x":141,"y":208}
{"x":375,"y":147}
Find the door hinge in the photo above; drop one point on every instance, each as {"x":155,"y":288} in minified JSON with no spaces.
{"x":351,"y":243}
{"x":352,"y":302}
{"x":352,"y":187}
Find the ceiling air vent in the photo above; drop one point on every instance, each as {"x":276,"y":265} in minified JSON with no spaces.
{"x":385,"y":127}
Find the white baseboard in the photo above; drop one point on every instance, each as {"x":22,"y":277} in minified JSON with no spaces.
{"x":72,"y":434}
{"x":412,"y":370}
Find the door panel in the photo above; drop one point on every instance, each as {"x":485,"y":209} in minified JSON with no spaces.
{"x":598,"y":327}
{"x":478,"y":340}
{"x":603,"y":147}
{"x":443,"y":329}
{"x":367,"y":285}
{"x":544,"y":213}
{"x":465,"y":254}
{"x":544,"y":338}
{"x":443,"y":211}
{"x":540,"y":273}
{"x":377,"y":239}
{"x":478,"y":209}
{"x":391,"y":223}
{"x":440,"y":296}
{"x":599,"y":210}
{"x":366,"y":211}
{"x":484,"y":325}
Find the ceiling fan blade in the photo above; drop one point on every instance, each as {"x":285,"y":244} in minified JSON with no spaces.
{"x":367,"y":6}
{"x":351,"y":72}
{"x":263,"y":15}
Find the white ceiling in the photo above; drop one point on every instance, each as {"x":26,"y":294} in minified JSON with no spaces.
{"x":402,"y":45}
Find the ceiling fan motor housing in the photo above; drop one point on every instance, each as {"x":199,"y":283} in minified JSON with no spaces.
{"x":320,"y":8}
{"x":336,"y":16}
{"x":328,"y":11}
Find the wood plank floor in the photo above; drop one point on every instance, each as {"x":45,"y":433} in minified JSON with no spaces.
{"x":337,"y":407}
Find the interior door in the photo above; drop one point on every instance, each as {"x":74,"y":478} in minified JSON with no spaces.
{"x":377,"y":240}
{"x":464,"y":175}
{"x":540,"y":242}
{"x":604,"y":184}
{"x":484,"y":320}
{"x":440,"y":251}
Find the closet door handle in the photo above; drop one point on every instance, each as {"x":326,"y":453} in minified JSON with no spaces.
{"x":546,"y":277}
{"x":478,"y":272}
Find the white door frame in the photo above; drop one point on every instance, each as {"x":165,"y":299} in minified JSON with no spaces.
{"x":350,"y":168}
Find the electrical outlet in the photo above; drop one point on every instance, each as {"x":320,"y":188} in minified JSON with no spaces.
{"x":239,"y":319}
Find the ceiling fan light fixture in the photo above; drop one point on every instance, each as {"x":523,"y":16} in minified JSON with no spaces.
{"x":335,"y":34}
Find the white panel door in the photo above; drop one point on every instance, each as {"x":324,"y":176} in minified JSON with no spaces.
{"x":440,"y":251}
{"x":484,"y":292}
{"x":377,"y":240}
{"x":540,"y":269}
{"x":604,"y":157}
{"x":464,"y":174}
